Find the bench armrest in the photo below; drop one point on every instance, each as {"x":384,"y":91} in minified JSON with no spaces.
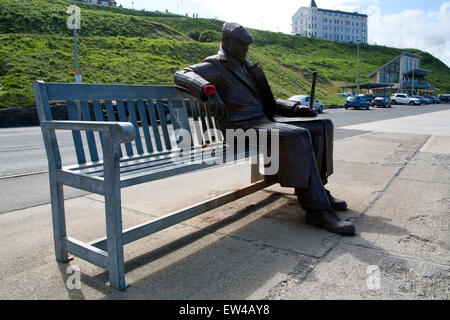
{"x":121,"y":132}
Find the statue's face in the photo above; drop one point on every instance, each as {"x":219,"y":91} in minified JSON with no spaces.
{"x":236,"y":48}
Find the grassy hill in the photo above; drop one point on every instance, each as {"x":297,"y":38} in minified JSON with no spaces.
{"x":119,"y":45}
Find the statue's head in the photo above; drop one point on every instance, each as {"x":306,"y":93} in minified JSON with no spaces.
{"x":236,"y":40}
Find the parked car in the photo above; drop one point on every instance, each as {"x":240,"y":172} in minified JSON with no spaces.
{"x":403,"y":98}
{"x":344,"y":95}
{"x":368,"y":97}
{"x":357,"y":102}
{"x":424,"y":100}
{"x":445,"y":98}
{"x":384,"y":102}
{"x":433,"y":98}
{"x":304,"y":100}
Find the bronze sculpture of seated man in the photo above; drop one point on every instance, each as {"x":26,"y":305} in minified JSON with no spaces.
{"x":240,"y":95}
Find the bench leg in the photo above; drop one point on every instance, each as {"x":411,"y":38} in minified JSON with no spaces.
{"x":115,"y":242}
{"x":113,"y":213}
{"x":58,"y":219}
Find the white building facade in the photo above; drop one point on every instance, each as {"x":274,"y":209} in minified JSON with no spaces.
{"x":330,"y":25}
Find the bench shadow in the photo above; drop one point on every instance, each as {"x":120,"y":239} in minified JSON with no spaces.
{"x":252,"y":269}
{"x":73,"y":294}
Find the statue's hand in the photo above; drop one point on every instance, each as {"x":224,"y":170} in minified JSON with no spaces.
{"x":303,"y":111}
{"x":218,"y":108}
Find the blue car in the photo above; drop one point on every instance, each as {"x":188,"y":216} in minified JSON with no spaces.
{"x":357,"y":102}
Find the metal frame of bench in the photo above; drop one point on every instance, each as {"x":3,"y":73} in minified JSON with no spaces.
{"x":150,"y":159}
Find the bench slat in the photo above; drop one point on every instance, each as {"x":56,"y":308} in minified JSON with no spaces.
{"x":89,"y":134}
{"x":162,"y":120}
{"x":143,"y":115}
{"x":123,"y":117}
{"x":70,"y":91}
{"x":125,"y":160}
{"x":76,"y":135}
{"x":154,"y":123}
{"x":144,"y":176}
{"x":133,"y":120}
{"x":197,"y":122}
{"x":98,"y":112}
{"x":97,"y":170}
{"x":112,"y":117}
{"x":163,"y":163}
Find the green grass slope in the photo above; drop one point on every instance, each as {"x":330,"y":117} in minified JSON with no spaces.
{"x":119,"y":45}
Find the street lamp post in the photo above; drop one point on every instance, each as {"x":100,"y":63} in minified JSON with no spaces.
{"x":357,"y":72}
{"x":75,"y":36}
{"x":178,"y":5}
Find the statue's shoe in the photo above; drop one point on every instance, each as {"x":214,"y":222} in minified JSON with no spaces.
{"x":328,"y":220}
{"x":336,"y":204}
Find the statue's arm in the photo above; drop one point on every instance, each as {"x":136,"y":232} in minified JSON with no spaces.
{"x":200,"y":80}
{"x":194,"y":78}
{"x":286,"y":108}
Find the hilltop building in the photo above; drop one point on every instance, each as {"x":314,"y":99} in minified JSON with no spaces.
{"x":110,"y":3}
{"x":330,"y":24}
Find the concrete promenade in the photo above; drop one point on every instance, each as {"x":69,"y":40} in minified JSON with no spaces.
{"x":394,"y":174}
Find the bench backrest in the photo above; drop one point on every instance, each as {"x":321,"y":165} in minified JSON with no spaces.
{"x":148,"y":108}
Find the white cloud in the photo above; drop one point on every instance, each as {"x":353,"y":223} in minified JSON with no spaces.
{"x":424,"y":30}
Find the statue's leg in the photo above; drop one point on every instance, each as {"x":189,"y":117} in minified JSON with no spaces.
{"x":322,"y":131}
{"x":298,"y":168}
{"x":322,"y":134}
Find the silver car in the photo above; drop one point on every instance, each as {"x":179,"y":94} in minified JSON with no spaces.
{"x":304,"y":101}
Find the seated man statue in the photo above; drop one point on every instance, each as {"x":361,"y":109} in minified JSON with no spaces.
{"x":240,"y":97}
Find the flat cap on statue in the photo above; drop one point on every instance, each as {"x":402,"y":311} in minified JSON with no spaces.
{"x":236,"y":31}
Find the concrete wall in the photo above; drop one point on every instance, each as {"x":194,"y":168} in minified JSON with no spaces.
{"x":23,"y":117}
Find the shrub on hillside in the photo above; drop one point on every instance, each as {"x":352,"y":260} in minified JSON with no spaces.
{"x":194,"y":34}
{"x":209,"y":36}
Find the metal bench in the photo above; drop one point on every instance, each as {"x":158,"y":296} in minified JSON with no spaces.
{"x":142,"y":146}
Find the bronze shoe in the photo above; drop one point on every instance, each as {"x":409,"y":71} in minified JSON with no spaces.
{"x":328,"y":220}
{"x":336,"y":204}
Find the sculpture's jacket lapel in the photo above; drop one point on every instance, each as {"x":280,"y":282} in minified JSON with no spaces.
{"x":233,"y":67}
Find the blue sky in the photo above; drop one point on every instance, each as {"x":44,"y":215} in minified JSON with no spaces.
{"x":396,"y":6}
{"x":420,"y":24}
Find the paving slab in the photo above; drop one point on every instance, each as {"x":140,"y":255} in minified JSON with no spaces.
{"x":428,"y":167}
{"x":433,"y":123}
{"x":379,"y":148}
{"x":352,"y":272}
{"x":437,"y":144}
{"x":411,"y":220}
